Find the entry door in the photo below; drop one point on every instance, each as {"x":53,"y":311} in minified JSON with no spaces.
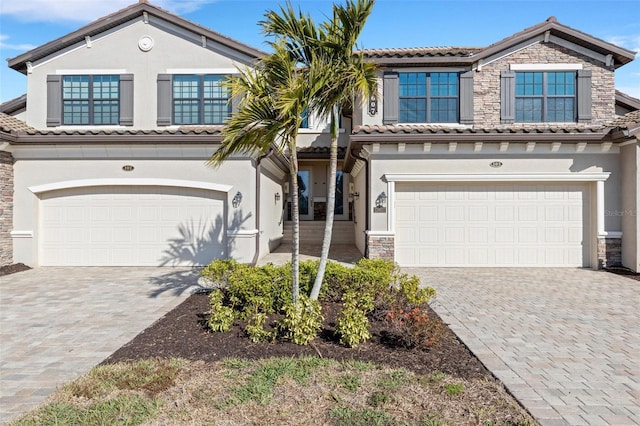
{"x":305,"y":196}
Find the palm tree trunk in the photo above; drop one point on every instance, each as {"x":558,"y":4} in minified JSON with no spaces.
{"x":331,"y":202}
{"x":295,"y":216}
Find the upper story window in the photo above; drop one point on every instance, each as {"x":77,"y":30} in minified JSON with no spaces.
{"x":304,"y":124}
{"x":90,"y":99}
{"x":428,"y":97}
{"x":200,"y":99}
{"x":545,"y":97}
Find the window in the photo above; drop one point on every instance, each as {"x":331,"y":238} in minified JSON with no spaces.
{"x":545,"y":97}
{"x":304,"y":124}
{"x":90,"y":99}
{"x":200,"y":99}
{"x":428,"y":97}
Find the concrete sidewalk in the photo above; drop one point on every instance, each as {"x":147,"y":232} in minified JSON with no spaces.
{"x":57,"y":323}
{"x":565,"y":342}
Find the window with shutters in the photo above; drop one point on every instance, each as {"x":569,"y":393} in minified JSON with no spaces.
{"x":200,"y":99}
{"x":545,"y":97}
{"x":428,"y":97}
{"x":90,"y":99}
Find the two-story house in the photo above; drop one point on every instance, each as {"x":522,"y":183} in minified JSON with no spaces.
{"x":508,"y":155}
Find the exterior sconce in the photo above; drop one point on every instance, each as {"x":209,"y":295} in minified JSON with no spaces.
{"x":237,"y":199}
{"x":277,"y":196}
{"x":356,"y":195}
{"x":381,"y":203}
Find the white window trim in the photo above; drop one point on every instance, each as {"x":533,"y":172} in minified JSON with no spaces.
{"x":545,"y":67}
{"x":92,"y":71}
{"x":199,"y":71}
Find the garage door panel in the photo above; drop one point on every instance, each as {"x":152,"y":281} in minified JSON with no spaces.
{"x":131,"y":226}
{"x":492,"y":224}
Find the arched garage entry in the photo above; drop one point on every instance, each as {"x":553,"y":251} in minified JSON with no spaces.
{"x":133,"y":222}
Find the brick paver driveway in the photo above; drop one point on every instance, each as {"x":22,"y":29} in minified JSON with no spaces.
{"x":57,"y":323}
{"x":565,"y":342}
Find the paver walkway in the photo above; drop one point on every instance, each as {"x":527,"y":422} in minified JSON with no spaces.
{"x":565,"y":342}
{"x":57,"y":323}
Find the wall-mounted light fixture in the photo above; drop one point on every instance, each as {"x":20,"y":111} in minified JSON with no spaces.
{"x":277,"y":196}
{"x":381,"y":203}
{"x":237,"y":199}
{"x":356,"y":195}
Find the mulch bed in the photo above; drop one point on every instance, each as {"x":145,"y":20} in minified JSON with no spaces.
{"x":626,"y":272}
{"x":183,"y":333}
{"x":12,"y":269}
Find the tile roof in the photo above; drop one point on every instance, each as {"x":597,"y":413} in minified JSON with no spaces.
{"x":310,"y":151}
{"x":629,"y":120}
{"x":420,"y":52}
{"x":10,"y":124}
{"x":182,"y":130}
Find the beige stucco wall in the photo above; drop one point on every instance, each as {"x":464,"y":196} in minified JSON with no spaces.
{"x":440,"y":161}
{"x":271,"y":210}
{"x":38,"y":166}
{"x":117,"y":51}
{"x":359,"y":208}
{"x":630,"y":207}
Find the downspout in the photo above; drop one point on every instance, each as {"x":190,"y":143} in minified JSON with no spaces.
{"x":367,"y":200}
{"x":258,"y":193}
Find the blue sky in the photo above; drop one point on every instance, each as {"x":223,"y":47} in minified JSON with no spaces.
{"x":25,"y":24}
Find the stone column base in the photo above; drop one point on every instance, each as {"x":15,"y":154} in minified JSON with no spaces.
{"x":380,"y":247}
{"x":609,"y":252}
{"x":6,"y":208}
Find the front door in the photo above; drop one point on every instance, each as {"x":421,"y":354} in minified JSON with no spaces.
{"x":305,"y":195}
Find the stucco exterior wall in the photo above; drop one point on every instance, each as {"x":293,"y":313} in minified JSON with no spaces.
{"x":630,"y":207}
{"x":6,"y":208}
{"x":360,"y":208}
{"x":117,"y":52}
{"x":271,"y":211}
{"x":39,"y":166}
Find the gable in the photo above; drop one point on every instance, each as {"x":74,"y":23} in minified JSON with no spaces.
{"x":140,"y":12}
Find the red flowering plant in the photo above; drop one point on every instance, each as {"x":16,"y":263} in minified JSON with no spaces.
{"x":415,"y":328}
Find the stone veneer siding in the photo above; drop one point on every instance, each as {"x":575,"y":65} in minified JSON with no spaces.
{"x":609,"y":252}
{"x":487,"y":84}
{"x":6,"y":208}
{"x":381,"y":247}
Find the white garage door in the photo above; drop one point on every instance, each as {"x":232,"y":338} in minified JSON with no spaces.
{"x":131,"y":226}
{"x":453,"y":224}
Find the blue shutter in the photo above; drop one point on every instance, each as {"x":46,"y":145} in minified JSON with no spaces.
{"x":390,"y":100}
{"x":507,"y":97}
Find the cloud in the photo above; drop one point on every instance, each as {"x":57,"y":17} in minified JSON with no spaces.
{"x":631,"y":42}
{"x":84,"y":10}
{"x":10,"y":46}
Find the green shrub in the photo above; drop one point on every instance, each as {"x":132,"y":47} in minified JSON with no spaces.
{"x":256,"y":331}
{"x":302,"y":321}
{"x":221,"y":317}
{"x":218,"y":270}
{"x":352,"y":324}
{"x":411,"y":292}
{"x":335,"y":281}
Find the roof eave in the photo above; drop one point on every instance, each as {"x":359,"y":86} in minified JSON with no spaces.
{"x":98,"y":26}
{"x":23,"y":138}
{"x":422,"y":61}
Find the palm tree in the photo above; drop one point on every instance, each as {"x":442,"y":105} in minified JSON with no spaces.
{"x":327,"y":51}
{"x":272,"y":98}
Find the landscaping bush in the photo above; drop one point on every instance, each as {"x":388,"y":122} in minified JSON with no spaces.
{"x":302,"y":321}
{"x":221,"y":317}
{"x":352,"y":324}
{"x":415,"y":328}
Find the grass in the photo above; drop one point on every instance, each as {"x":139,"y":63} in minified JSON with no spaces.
{"x":300,"y":391}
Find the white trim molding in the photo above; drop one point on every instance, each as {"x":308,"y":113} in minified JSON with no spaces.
{"x":85,"y":183}
{"x":611,"y":234}
{"x":380,"y":233}
{"x":545,"y":67}
{"x":21,"y":234}
{"x":242,"y":233}
{"x":495,"y":177}
{"x":202,"y":71}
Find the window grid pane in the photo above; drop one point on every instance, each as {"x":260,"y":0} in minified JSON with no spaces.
{"x":545,"y":97}
{"x":428,"y":97}
{"x":200,"y":99}
{"x":90,"y":100}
